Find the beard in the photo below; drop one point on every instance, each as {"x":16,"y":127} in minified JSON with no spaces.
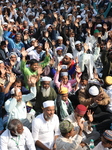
{"x":48,"y":117}
{"x":45,"y":92}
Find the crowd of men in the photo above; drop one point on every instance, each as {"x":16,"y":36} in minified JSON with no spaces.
{"x":55,"y":74}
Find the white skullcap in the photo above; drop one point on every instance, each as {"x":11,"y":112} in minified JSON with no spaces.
{"x":47,"y":26}
{"x":79,"y":16}
{"x":31,"y":25}
{"x":64,"y":74}
{"x":46,"y":78}
{"x":58,"y":48}
{"x":77,"y":42}
{"x":69,"y":15}
{"x":33,"y":39}
{"x":31,"y":14}
{"x":48,"y":103}
{"x":62,"y":8}
{"x":25,"y":30}
{"x":83,"y":22}
{"x":5,"y":23}
{"x":69,"y":55}
{"x":59,"y":38}
{"x":11,"y":20}
{"x":99,"y":25}
{"x":43,"y":12}
{"x":93,"y":90}
{"x":78,"y":6}
{"x":1,"y":61}
{"x":13,"y":90}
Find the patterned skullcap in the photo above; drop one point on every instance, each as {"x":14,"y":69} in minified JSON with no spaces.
{"x":65,"y":126}
{"x":108,"y":135}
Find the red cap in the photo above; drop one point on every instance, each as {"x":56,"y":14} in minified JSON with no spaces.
{"x":81,"y":109}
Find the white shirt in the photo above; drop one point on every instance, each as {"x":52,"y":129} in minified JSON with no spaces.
{"x":18,"y":109}
{"x":100,"y":147}
{"x":9,"y":142}
{"x":44,"y":131}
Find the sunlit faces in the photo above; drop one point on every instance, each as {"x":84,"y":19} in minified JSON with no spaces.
{"x":78,"y":116}
{"x":83,"y":82}
{"x":39,"y":49}
{"x":78,"y":47}
{"x":2,"y":66}
{"x":48,"y":112}
{"x":13,"y":58}
{"x":18,"y":37}
{"x":66,"y":60}
{"x":34,"y":66}
{"x":60,"y":41}
{"x":19,"y":130}
{"x":59,"y":52}
{"x":46,"y":84}
{"x":64,"y":79}
{"x":18,"y":85}
{"x":64,"y":97}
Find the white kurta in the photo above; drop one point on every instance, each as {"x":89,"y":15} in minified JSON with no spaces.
{"x":100,"y":147}
{"x":63,"y":143}
{"x":9,"y":142}
{"x":18,"y":109}
{"x":44,"y":131}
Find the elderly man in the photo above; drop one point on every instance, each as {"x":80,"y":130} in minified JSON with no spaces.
{"x":77,"y":116}
{"x":16,"y":137}
{"x":45,"y":127}
{"x":69,"y":139}
{"x":16,"y":107}
{"x":44,"y":93}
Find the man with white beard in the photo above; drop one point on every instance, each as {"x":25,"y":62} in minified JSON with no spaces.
{"x":16,"y":105}
{"x":45,"y":127}
{"x":44,"y":93}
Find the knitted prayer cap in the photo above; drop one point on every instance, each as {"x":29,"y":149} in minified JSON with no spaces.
{"x":81,"y":109}
{"x":65,"y":126}
{"x":108,"y":135}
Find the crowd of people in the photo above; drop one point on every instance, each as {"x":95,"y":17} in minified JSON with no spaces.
{"x":55,"y":74}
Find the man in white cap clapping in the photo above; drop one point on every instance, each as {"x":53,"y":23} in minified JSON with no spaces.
{"x":45,"y":127}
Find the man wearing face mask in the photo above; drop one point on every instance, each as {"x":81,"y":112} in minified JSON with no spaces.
{"x":45,"y":127}
{"x":16,"y":137}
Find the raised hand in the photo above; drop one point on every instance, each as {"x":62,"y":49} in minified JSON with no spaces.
{"x":77,"y":78}
{"x":78,"y":70}
{"x":81,"y":124}
{"x":59,"y":68}
{"x":105,"y":26}
{"x":39,"y":70}
{"x":12,"y":78}
{"x":86,"y":47}
{"x":90,"y":115}
{"x":32,"y":80}
{"x":24,"y":53}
